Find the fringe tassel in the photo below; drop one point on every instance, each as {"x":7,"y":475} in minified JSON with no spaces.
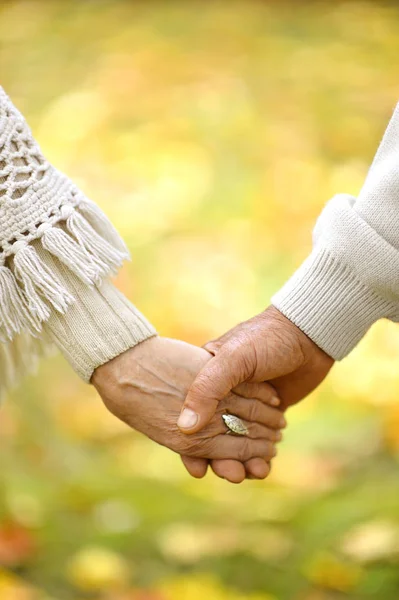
{"x":104,"y":255}
{"x":86,"y":242}
{"x":9,"y":365}
{"x":14,"y":312}
{"x":64,"y":247}
{"x":40,"y":284}
{"x":20,"y":357}
{"x":103,"y":226}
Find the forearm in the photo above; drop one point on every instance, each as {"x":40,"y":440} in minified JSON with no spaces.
{"x":57,"y":251}
{"x":350,"y":280}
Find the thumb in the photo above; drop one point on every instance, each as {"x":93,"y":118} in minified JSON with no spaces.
{"x":215,"y":380}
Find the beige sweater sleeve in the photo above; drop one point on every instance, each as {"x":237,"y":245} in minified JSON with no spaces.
{"x":351,"y":278}
{"x":57,"y":252}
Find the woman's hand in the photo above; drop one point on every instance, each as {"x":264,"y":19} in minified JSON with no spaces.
{"x":146,"y":387}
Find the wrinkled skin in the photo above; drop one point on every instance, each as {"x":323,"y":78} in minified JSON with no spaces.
{"x":267,"y":347}
{"x":145,"y":387}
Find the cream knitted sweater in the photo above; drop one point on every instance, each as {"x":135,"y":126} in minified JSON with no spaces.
{"x":57,"y":250}
{"x":351,"y":278}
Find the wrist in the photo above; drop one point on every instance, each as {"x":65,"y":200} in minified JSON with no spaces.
{"x":306,"y":346}
{"x":115,"y":370}
{"x":330,"y":304}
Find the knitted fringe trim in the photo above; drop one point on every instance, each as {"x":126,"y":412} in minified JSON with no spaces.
{"x":87,"y":244}
{"x":19,"y":357}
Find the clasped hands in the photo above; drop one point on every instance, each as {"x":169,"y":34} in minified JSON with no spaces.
{"x":176,"y":393}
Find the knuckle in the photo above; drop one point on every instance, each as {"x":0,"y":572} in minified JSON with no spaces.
{"x":253,"y":411}
{"x":244,"y":452}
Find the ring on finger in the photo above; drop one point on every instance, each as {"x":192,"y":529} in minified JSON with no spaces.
{"x":235,"y":425}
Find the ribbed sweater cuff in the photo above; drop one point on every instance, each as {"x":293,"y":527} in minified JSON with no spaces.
{"x":99,"y":326}
{"x":330,"y":304}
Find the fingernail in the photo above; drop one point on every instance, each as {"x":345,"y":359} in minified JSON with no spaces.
{"x":188,"y":418}
{"x":274,"y":451}
{"x":279,"y":436}
{"x":275,"y":401}
{"x":283,"y":422}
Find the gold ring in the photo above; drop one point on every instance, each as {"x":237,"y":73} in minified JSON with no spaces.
{"x":235,"y":425}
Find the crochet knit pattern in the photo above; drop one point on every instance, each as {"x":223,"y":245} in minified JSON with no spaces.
{"x":37,"y":202}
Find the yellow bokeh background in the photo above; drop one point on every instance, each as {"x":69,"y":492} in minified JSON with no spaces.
{"x":211,"y":133}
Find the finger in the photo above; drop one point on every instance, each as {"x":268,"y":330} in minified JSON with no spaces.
{"x":256,"y":431}
{"x":261,"y":391}
{"x":240,"y":448}
{"x":257,"y":468}
{"x":197,"y":467}
{"x":255,"y":411}
{"x":231,"y":470}
{"x":215,"y":380}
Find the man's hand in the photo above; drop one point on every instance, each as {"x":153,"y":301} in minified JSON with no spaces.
{"x":268,"y":347}
{"x":146,"y":387}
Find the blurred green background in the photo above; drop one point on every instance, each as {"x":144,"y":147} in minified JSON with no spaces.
{"x":212,"y":133}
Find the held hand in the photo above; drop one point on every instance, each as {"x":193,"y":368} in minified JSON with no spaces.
{"x":268,"y":347}
{"x":146,"y":387}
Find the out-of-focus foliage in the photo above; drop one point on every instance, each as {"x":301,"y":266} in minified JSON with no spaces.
{"x":212,"y":133}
